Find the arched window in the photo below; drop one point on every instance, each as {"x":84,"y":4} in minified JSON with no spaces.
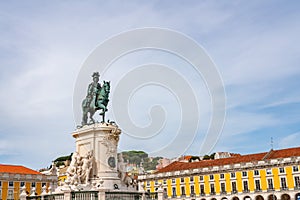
{"x":285,"y":197}
{"x":297,"y":196}
{"x":235,"y":198}
{"x":259,"y":197}
{"x":272,"y":197}
{"x":247,"y":198}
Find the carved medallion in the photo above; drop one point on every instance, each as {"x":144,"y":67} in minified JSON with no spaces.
{"x":112,"y":162}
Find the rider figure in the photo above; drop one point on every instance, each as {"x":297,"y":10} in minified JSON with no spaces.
{"x":93,"y":89}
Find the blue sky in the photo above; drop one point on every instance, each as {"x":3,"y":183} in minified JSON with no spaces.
{"x":254,"y":44}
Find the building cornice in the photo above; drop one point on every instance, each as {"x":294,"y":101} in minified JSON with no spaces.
{"x":27,"y":177}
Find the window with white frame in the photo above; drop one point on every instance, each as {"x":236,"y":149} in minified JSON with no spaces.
{"x":182,"y":180}
{"x":202,"y":191}
{"x":165,"y":193}
{"x":182,"y":190}
{"x":297,"y":181}
{"x":22,"y":184}
{"x":212,"y":188}
{"x":211,"y":177}
{"x":281,"y":170}
{"x":233,"y":186}
{"x":33,"y":184}
{"x":192,"y":179}
{"x":222,"y":176}
{"x":232,"y":175}
{"x":173,"y":180}
{"x":201,"y":178}
{"x":268,"y":171}
{"x":245,"y":184}
{"x":192,"y":189}
{"x":270,"y":184}
{"x":10,"y":195}
{"x":295,"y":168}
{"x":10,"y":184}
{"x":164,"y":181}
{"x":244,"y":173}
{"x":223,"y":188}
{"x":256,"y":173}
{"x":283,"y":182}
{"x":173,"y":191}
{"x":257,"y":185}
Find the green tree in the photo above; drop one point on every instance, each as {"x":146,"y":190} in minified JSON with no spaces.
{"x":136,"y":157}
{"x":61,"y":160}
{"x":206,"y":157}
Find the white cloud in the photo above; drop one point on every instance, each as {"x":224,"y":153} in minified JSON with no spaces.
{"x":4,"y":147}
{"x":292,"y":140}
{"x":283,"y":101}
{"x":239,"y":122}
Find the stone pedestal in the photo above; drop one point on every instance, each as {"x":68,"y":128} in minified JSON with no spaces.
{"x":101,"y":139}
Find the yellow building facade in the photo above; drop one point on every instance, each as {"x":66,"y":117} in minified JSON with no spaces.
{"x":264,"y":176}
{"x":13,"y":178}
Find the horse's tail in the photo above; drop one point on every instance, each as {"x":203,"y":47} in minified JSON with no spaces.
{"x":84,"y":103}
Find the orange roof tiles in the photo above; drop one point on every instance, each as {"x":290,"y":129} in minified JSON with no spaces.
{"x":283,"y":153}
{"x":16,"y":169}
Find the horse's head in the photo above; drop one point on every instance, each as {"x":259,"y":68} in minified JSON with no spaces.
{"x":106,"y":86}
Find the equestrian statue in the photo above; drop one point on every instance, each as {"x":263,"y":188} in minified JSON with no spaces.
{"x":96,"y":99}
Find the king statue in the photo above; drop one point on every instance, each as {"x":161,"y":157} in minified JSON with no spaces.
{"x":96,"y":99}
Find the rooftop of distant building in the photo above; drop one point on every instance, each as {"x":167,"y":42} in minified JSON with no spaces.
{"x":16,"y":169}
{"x":234,"y":159}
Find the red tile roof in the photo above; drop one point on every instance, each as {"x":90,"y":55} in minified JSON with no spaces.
{"x":16,"y":169}
{"x":187,"y":157}
{"x":282,"y":153}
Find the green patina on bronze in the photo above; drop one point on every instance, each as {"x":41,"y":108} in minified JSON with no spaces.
{"x":96,"y":99}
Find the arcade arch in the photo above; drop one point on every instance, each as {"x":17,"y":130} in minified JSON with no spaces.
{"x":259,"y":197}
{"x":272,"y":197}
{"x":285,"y":197}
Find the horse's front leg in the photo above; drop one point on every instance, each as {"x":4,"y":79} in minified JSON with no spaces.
{"x":84,"y":118}
{"x":92,"y":121}
{"x":103,"y":109}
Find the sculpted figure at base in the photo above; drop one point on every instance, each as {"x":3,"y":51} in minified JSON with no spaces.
{"x":125,"y":178}
{"x":121,"y":168}
{"x":141,"y":168}
{"x":80,"y":169}
{"x":52,"y":170}
{"x":72,"y":169}
{"x":86,"y":167}
{"x":96,"y":99}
